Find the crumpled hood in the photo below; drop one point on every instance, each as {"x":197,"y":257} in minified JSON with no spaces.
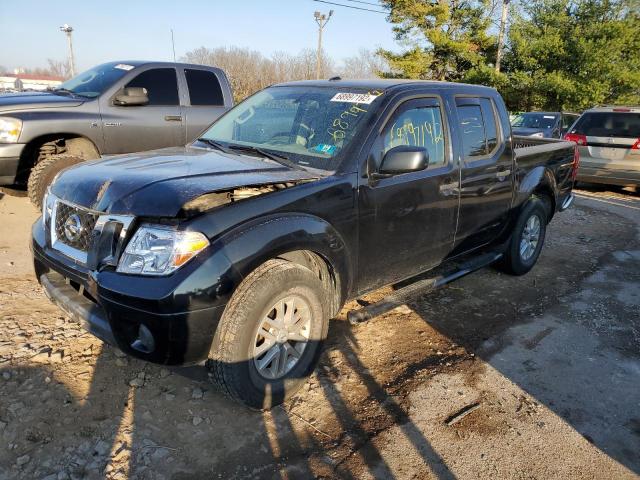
{"x":526,"y":132}
{"x":31,"y":100}
{"x":158,"y":183}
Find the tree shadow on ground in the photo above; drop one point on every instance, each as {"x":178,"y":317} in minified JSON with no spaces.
{"x":138,"y":420}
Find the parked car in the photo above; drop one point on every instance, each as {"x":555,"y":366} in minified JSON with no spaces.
{"x":608,"y":139}
{"x":239,"y":248}
{"x":543,"y":124}
{"x":116,"y":107}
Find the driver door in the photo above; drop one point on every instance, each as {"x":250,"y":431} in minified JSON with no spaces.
{"x":408,"y":221}
{"x":157,"y":124}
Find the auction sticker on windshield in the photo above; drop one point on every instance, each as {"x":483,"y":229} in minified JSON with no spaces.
{"x":124,"y":66}
{"x":348,"y":97}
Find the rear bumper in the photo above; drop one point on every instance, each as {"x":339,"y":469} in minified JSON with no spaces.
{"x":609,"y":177}
{"x":9,"y":160}
{"x":177,"y":338}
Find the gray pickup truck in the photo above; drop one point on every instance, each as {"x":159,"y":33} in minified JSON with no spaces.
{"x":116,"y":107}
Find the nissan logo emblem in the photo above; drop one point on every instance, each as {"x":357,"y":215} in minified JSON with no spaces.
{"x":72,"y":228}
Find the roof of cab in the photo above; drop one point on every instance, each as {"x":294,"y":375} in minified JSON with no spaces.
{"x":139,"y":63}
{"x":383,"y":84}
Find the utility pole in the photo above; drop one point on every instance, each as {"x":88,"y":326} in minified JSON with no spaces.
{"x":503,"y":26}
{"x":321,"y":20}
{"x":68,"y":30}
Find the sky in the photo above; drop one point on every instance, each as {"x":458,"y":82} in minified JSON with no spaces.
{"x":141,"y":30}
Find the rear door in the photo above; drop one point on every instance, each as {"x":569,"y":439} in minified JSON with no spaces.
{"x":487,"y":172}
{"x":609,"y":144}
{"x":145,"y":127}
{"x":408,"y":221}
{"x":206,"y":99}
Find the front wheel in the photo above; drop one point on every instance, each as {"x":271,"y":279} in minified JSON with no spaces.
{"x":270,"y":335}
{"x":43,"y":174}
{"x":527,"y":238}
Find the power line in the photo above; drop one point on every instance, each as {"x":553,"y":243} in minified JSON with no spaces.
{"x":366,"y":3}
{"x":351,"y":6}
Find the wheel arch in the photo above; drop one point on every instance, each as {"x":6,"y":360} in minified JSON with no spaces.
{"x":299,"y":238}
{"x":540,"y":182}
{"x":60,"y":143}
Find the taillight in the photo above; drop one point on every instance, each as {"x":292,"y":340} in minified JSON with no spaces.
{"x":575,"y":137}
{"x":636,"y":146}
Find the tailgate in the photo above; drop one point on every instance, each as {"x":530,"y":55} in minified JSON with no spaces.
{"x":610,"y":153}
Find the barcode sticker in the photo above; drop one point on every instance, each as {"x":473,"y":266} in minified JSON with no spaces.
{"x":348,"y":97}
{"x":124,"y":66}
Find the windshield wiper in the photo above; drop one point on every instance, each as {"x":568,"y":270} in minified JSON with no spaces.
{"x":214,"y":144}
{"x":276,"y":157}
{"x":67,"y":91}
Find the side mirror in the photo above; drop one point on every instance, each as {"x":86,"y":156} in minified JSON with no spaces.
{"x":131,"y":96}
{"x":404,"y":159}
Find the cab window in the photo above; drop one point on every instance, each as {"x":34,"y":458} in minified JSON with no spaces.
{"x":418,"y":127}
{"x":478,"y":126}
{"x":161,"y":85}
{"x":204,"y":87}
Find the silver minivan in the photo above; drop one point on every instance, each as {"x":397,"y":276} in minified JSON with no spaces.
{"x":608,"y":140}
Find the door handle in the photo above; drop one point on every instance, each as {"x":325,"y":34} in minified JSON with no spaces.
{"x":173,"y":118}
{"x":448,"y":188}
{"x":502,"y":174}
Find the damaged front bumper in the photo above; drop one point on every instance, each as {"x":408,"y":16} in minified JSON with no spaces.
{"x":163,"y":320}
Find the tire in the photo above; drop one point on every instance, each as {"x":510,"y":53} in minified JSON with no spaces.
{"x":234,"y":360}
{"x":43,"y":174}
{"x":517,"y":259}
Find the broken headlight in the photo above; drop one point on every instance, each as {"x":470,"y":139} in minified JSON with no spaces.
{"x":160,"y":250}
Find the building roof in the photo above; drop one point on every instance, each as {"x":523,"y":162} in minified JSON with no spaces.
{"x":30,"y":76}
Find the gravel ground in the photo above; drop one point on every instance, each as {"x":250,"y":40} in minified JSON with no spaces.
{"x":491,"y":377}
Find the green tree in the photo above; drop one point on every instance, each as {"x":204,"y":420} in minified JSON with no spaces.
{"x":446,"y":38}
{"x":571,"y":54}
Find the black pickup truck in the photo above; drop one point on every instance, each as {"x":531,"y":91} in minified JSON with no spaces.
{"x":238,"y":249}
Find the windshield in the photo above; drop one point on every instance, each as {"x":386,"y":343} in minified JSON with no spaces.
{"x":310,"y":126}
{"x":95,"y":81}
{"x":535,"y":120}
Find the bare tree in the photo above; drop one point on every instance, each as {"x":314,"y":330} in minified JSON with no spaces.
{"x":59,"y":68}
{"x":56,"y":68}
{"x":365,"y":64}
{"x":249,"y":70}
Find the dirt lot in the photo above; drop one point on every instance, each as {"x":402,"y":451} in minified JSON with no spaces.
{"x":549,"y":364}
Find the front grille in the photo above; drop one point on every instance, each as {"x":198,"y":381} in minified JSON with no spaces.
{"x":73,"y":226}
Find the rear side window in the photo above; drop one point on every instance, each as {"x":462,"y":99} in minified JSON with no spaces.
{"x":418,"y":127}
{"x":609,"y":124}
{"x":479,"y":128}
{"x":161,"y":85}
{"x":204,"y":88}
{"x":490,"y":127}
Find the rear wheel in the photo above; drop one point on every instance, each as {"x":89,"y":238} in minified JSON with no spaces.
{"x":270,"y":335}
{"x":43,"y":174}
{"x":527,"y":238}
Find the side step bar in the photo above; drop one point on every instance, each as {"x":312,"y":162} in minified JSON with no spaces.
{"x":400,"y":296}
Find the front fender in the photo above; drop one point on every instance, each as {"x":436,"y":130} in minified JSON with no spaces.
{"x":249,"y":245}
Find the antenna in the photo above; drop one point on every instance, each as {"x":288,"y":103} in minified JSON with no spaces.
{"x":173,"y":46}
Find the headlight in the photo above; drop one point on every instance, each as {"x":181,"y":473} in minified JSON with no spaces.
{"x":160,"y":250}
{"x":10,"y":129}
{"x":47,"y":205}
{"x":538,"y":135}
